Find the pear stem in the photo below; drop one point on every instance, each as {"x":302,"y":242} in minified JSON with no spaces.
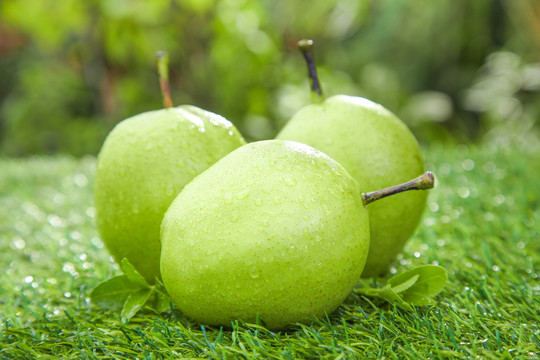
{"x":306,"y":48}
{"x":163,"y":71}
{"x":423,"y":182}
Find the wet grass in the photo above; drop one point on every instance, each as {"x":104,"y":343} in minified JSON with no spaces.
{"x":482,"y":225}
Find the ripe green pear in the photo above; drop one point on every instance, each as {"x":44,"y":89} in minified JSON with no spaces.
{"x":143,"y":164}
{"x":276,"y":231}
{"x":378,"y":150}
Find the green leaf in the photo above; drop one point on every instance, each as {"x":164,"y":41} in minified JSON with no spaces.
{"x":134,"y":302}
{"x":133,"y":274}
{"x":430,"y":281}
{"x":405,"y":285}
{"x":129,"y":292}
{"x":112,"y":293}
{"x":388,"y":294}
{"x":416,"y":286}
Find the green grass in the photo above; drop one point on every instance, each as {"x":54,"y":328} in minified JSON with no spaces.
{"x":482,"y":225}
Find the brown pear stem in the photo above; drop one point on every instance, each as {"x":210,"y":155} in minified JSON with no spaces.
{"x":306,"y":48}
{"x":163,"y":71}
{"x":423,"y":182}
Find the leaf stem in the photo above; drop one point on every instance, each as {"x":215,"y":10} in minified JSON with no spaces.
{"x":306,"y":48}
{"x":372,"y":292}
{"x":163,"y":71}
{"x":423,"y":182}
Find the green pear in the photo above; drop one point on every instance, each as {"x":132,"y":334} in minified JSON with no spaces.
{"x":143,"y":164}
{"x":275,"y":231}
{"x":377,"y":149}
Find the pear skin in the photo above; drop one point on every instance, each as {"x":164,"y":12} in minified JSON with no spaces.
{"x":275,"y":231}
{"x":378,"y":150}
{"x":143,"y":164}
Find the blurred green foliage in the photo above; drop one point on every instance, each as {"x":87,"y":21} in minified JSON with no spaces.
{"x":454,"y":70}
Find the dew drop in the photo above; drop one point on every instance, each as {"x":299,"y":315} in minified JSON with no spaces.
{"x":55,"y":220}
{"x":498,"y":200}
{"x":59,"y":198}
{"x":19,"y":243}
{"x":289,"y":182}
{"x":80,"y":180}
{"x":468,"y":164}
{"x":91,"y":212}
{"x":488,"y":216}
{"x":242,"y":194}
{"x":97,"y":242}
{"x":446,"y":219}
{"x":254,"y":273}
{"x":405,"y":261}
{"x":463,"y":192}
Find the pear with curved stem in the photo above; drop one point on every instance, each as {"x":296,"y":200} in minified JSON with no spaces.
{"x":144,"y":163}
{"x":376,"y":148}
{"x":275,"y":231}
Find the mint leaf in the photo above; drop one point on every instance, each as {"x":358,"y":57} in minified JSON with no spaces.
{"x":405,"y":285}
{"x":134,"y":302}
{"x":388,"y":294}
{"x":129,"y":292}
{"x":430,"y":281}
{"x":416,"y":286}
{"x":112,"y":293}
{"x":133,"y":274}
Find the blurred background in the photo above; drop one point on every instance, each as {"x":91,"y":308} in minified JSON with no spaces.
{"x":456,"y":71}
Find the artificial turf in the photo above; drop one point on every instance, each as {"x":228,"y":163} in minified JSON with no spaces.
{"x":482,"y":224}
